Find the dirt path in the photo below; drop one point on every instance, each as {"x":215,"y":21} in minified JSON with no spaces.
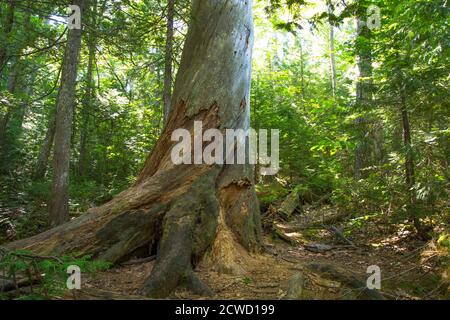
{"x":407,"y":270}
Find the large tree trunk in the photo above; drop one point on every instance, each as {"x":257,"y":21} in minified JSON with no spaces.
{"x":59,"y":205}
{"x":167,"y":95}
{"x":191,"y":213}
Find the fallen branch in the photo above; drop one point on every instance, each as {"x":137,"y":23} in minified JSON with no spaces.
{"x":10,"y":285}
{"x":338,"y":232}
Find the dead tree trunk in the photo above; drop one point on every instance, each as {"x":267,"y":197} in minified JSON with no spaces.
{"x":194,"y":213}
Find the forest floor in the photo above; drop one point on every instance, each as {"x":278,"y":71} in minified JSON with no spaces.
{"x":409,"y":268}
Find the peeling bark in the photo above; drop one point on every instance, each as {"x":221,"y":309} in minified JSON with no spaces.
{"x":195,"y":214}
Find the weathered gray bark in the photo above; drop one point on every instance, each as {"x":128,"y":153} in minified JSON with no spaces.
{"x":59,"y":204}
{"x":167,"y":95}
{"x":195,"y":214}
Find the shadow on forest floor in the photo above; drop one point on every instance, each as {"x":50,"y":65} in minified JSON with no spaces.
{"x":330,"y":267}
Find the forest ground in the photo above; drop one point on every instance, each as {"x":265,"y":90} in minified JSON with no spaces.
{"x":409,"y":269}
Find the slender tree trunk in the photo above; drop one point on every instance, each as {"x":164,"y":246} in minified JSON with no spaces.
{"x":4,"y":38}
{"x":369,"y":146}
{"x":14,"y":110}
{"x":193,"y":214}
{"x":5,"y":120}
{"x":409,"y":161}
{"x":40,"y":168}
{"x":45,"y":150}
{"x":59,"y":205}
{"x":167,"y":95}
{"x":410,"y":177}
{"x":302,"y":66}
{"x":89,"y":96}
{"x":12,"y":149}
{"x":11,"y":89}
{"x":332,"y":53}
{"x":363,"y":95}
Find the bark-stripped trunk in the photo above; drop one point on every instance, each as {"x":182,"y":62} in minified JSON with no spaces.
{"x":89,"y":96}
{"x":194,"y":213}
{"x":59,"y":205}
{"x":167,"y":95}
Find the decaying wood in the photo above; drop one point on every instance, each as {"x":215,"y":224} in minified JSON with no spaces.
{"x":332,"y":272}
{"x":286,"y":236}
{"x":296,"y":285}
{"x":194,"y":213}
{"x":324,"y":220}
{"x":339,"y":233}
{"x":290,"y":203}
{"x":7,"y":285}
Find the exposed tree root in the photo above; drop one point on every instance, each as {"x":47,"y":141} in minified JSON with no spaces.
{"x":186,"y":220}
{"x":187,"y":210}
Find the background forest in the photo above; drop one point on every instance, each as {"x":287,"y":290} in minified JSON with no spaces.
{"x":361,"y":102}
